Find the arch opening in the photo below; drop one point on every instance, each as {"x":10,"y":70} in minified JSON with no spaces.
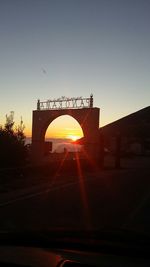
{"x":63,"y":135}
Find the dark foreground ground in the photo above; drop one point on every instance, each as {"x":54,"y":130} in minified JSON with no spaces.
{"x":73,"y":196}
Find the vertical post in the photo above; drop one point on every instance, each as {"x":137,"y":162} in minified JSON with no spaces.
{"x":38,"y":104}
{"x":91,"y":101}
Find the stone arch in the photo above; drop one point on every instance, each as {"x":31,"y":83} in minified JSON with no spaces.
{"x":88,"y":119}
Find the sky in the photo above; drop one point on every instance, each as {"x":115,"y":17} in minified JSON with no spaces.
{"x":54,"y":48}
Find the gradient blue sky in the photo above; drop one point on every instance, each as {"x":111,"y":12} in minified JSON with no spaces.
{"x":98,"y":46}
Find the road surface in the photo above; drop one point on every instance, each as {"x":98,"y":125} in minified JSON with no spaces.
{"x":106,"y":199}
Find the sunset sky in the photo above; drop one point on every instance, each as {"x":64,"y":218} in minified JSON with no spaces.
{"x":50,"y":48}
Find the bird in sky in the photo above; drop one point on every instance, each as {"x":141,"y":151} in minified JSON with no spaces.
{"x":44,"y":71}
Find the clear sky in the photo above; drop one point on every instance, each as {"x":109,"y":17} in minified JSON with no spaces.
{"x":50,"y":48}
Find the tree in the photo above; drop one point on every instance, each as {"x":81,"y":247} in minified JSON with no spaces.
{"x":12,"y":143}
{"x":9,"y":123}
{"x":20,"y":132}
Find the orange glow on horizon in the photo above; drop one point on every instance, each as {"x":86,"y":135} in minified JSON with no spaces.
{"x":64,"y":133}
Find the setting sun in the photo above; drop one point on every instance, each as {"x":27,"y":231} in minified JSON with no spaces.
{"x":73,"y":137}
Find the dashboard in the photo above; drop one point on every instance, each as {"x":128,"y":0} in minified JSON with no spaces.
{"x":29,"y":256}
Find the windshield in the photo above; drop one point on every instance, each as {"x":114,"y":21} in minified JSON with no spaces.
{"x":75,"y":143}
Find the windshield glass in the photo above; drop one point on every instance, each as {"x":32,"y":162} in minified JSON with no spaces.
{"x":75,"y":143}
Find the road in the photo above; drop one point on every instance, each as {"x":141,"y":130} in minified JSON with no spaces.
{"x":106,"y":199}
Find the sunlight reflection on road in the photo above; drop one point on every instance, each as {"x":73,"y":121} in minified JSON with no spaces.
{"x":86,"y":211}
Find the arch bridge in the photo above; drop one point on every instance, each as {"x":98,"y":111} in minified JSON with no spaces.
{"x":81,"y":109}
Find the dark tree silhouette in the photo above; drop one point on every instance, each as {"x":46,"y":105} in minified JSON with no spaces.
{"x":12,"y":143}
